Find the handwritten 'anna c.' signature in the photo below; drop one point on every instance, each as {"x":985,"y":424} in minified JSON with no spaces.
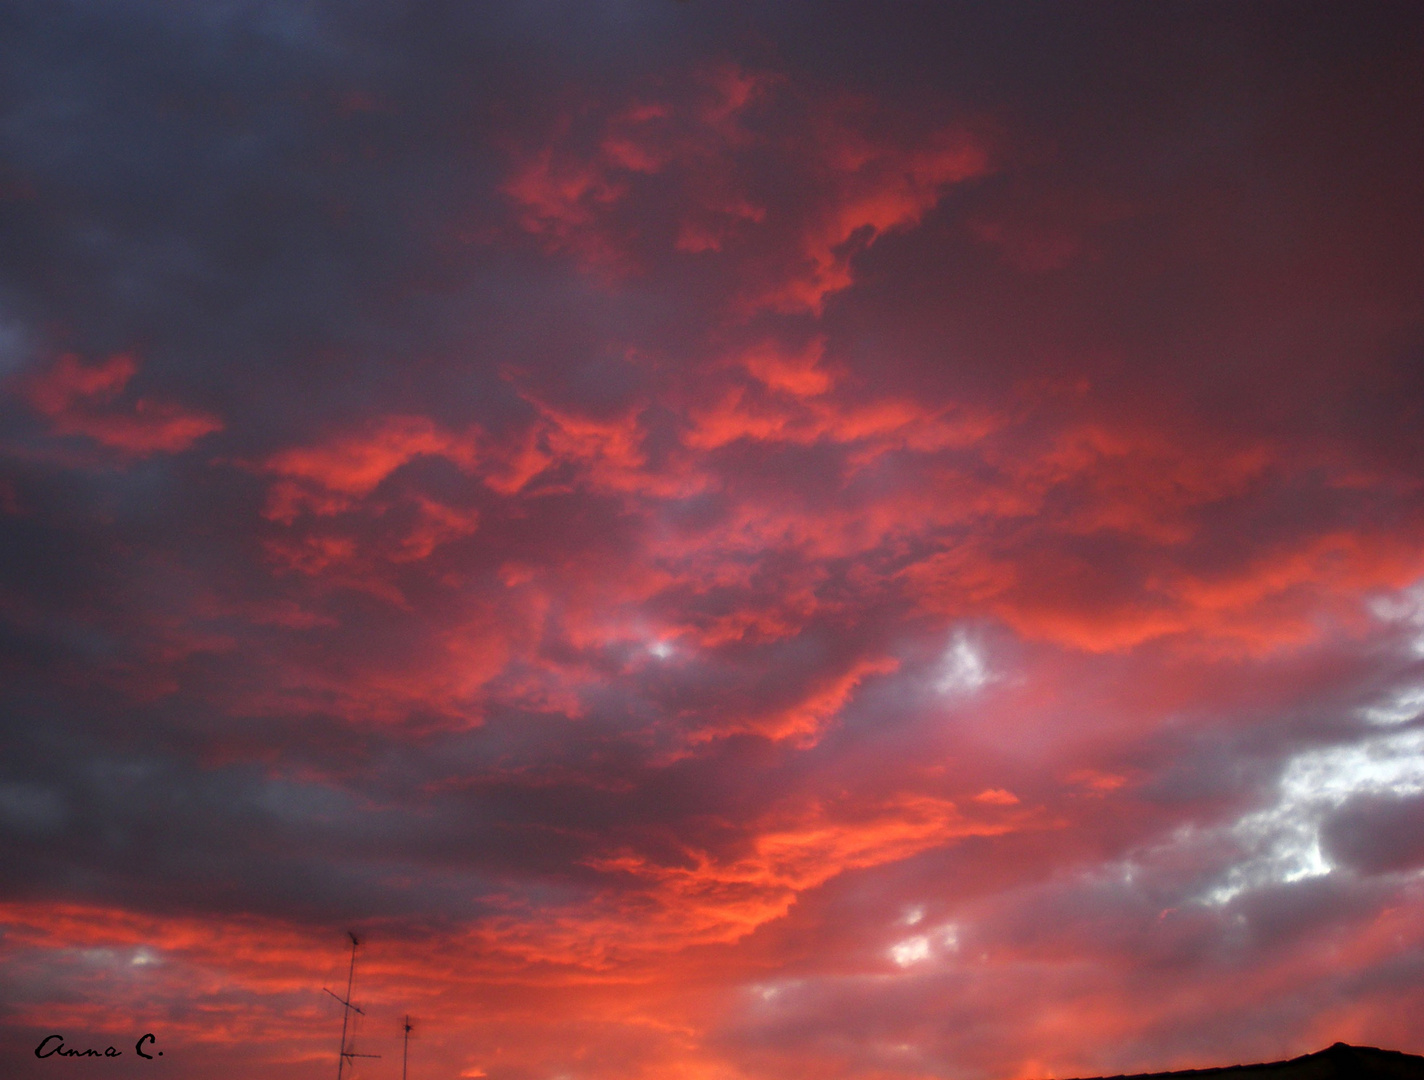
{"x":44,"y":1050}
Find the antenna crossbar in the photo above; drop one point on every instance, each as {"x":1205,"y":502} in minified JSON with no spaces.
{"x":338,"y":997}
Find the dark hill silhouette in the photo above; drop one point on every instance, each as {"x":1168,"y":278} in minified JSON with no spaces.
{"x":1338,"y":1062}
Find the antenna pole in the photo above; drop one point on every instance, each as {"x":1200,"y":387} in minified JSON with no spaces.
{"x":405,"y":1047}
{"x":346,"y":1010}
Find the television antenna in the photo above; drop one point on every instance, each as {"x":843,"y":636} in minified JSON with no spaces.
{"x":348,"y":1052}
{"x":405,"y":1046}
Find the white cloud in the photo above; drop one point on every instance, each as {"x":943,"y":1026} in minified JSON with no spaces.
{"x":910,"y":951}
{"x":964,"y":669}
{"x":1406,"y":607}
{"x":1403,"y":705}
{"x":1282,"y":842}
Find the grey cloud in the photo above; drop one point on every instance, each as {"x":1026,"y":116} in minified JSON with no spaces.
{"x":1377,"y":833}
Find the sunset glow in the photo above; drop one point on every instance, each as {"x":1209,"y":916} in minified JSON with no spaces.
{"x":732,"y":541}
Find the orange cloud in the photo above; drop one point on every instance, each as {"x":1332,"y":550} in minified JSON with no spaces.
{"x":705,"y":898}
{"x":1284,"y":599}
{"x":803,"y":720}
{"x":1145,"y":493}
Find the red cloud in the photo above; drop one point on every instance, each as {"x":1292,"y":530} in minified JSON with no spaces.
{"x":707,"y":147}
{"x":83,"y":399}
{"x":326,"y":478}
{"x":799,"y":374}
{"x":815,"y":706}
{"x":571,"y":196}
{"x":649,"y":907}
{"x":339,"y":529}
{"x":794,"y":398}
{"x":831,"y":654}
{"x":1286,"y":598}
{"x":870,"y":187}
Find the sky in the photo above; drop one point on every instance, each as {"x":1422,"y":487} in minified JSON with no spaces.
{"x":727,"y":541}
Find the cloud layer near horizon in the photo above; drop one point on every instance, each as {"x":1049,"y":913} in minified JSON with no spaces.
{"x":728,"y":543}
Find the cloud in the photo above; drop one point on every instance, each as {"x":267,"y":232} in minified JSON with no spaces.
{"x":701,"y":150}
{"x":83,"y":399}
{"x":738,"y":541}
{"x":1376,"y":833}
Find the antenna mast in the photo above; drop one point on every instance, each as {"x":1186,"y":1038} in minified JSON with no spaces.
{"x":405,"y":1047}
{"x":347,"y":1049}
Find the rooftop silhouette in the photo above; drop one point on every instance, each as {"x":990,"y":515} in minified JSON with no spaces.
{"x":1338,"y":1062}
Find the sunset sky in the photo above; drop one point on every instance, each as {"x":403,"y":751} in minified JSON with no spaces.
{"x":728,"y":540}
